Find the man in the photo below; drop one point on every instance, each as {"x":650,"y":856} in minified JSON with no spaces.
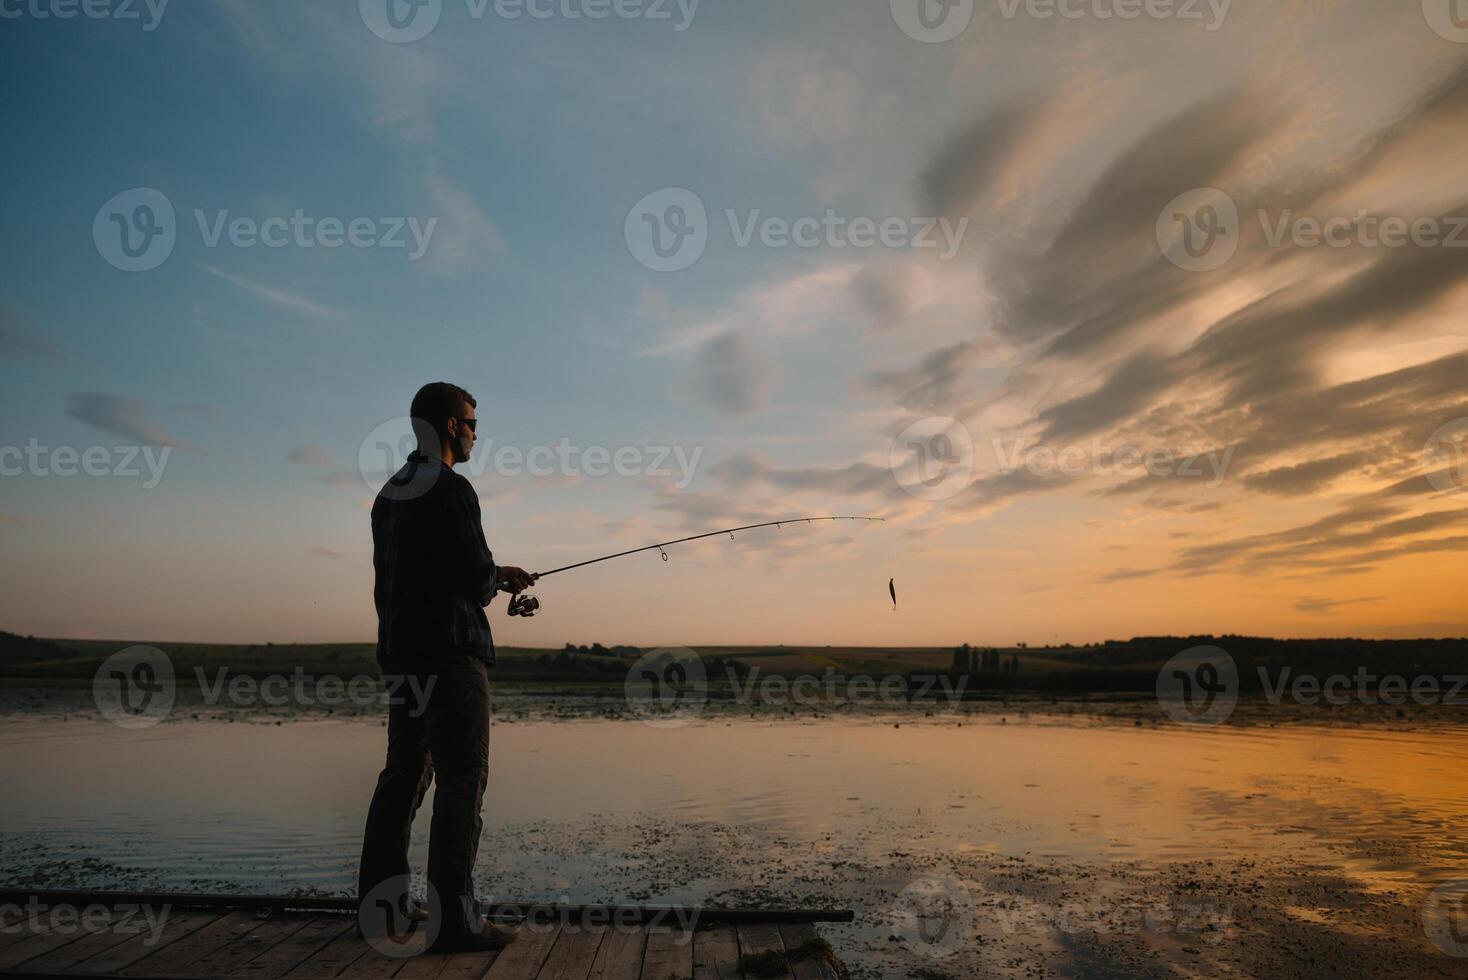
{"x":435,"y":575}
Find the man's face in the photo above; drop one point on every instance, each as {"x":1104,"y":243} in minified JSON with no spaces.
{"x":461,"y":433}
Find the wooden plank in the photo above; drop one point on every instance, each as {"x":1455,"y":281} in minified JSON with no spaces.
{"x":13,"y":933}
{"x":176,"y":925}
{"x":69,"y":935}
{"x":522,"y":959}
{"x":307,"y":947}
{"x":179,"y":956}
{"x":429,"y":966}
{"x":762,"y":937}
{"x":227,"y":958}
{"x":36,"y":944}
{"x":467,"y":966}
{"x":620,"y":956}
{"x":316,"y":903}
{"x":716,"y":953}
{"x":794,"y":935}
{"x":572,"y":956}
{"x":668,"y":956}
{"x":180,"y":900}
{"x":89,"y":942}
{"x":374,"y":964}
{"x":286,"y":956}
{"x":332,"y":959}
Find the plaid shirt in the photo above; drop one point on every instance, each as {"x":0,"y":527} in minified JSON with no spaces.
{"x":434,"y":570}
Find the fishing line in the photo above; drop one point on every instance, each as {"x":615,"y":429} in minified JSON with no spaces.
{"x":527,"y":605}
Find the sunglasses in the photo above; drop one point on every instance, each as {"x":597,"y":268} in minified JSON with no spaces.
{"x":471,"y":423}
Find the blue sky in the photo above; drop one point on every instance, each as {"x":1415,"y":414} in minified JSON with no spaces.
{"x":791,"y":370}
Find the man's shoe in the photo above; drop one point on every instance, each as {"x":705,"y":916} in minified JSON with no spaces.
{"x":489,"y":939}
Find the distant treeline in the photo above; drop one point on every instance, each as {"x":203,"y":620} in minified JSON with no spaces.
{"x":1132,"y":665}
{"x":1113,"y":666}
{"x":967,"y":660}
{"x":597,"y":650}
{"x":1346,"y":655}
{"x":570,"y":664}
{"x":16,"y":649}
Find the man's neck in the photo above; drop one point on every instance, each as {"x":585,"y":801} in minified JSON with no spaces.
{"x":445,"y":455}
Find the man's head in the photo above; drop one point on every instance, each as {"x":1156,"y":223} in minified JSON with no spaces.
{"x":443,"y":421}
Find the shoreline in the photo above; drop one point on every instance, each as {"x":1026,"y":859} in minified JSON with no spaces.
{"x":72,"y":699}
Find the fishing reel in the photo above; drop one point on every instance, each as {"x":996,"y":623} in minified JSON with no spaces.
{"x":524,"y":605}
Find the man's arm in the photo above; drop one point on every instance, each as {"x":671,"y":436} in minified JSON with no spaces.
{"x":473,"y":563}
{"x":482,"y":578}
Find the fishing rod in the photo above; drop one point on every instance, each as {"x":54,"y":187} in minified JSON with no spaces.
{"x":527,"y":605}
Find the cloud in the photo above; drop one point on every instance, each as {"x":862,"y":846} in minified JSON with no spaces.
{"x":933,"y":385}
{"x":291,"y":302}
{"x":969,"y":165}
{"x":311,"y":456}
{"x":1301,"y":363}
{"x":1304,"y":478}
{"x":888,"y":291}
{"x":1094,"y":274}
{"x":464,"y":235}
{"x":800,"y":99}
{"x":1352,"y":529}
{"x":1125,"y":392}
{"x":729,"y":375}
{"x":18,"y":338}
{"x":855,"y":479}
{"x":1322,"y":606}
{"x":801,"y":304}
{"x":124,"y":416}
{"x":1126,"y":574}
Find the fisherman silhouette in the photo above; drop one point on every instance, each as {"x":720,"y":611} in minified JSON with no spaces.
{"x":434,"y":576}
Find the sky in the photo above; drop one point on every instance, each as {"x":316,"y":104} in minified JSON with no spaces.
{"x":1127,"y":318}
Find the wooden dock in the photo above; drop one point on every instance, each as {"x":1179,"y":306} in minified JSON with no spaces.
{"x":111,"y":934}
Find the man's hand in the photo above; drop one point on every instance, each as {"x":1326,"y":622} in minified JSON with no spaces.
{"x":514,"y":580}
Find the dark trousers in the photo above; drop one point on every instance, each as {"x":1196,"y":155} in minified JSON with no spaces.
{"x":438,"y":729}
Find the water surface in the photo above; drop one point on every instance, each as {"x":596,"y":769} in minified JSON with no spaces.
{"x":267,"y":807}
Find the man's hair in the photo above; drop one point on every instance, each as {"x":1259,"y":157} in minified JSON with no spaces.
{"x":433,"y":406}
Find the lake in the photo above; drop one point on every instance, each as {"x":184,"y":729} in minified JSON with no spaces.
{"x":859,"y":813}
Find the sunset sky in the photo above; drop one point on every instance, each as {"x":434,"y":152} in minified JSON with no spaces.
{"x":1061,"y":330}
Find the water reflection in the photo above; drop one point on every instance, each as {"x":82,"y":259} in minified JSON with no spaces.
{"x":269,"y":807}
